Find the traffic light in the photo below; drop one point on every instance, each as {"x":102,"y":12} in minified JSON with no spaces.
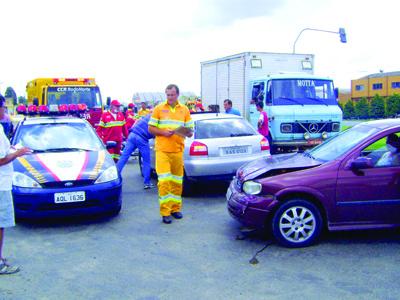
{"x":342,"y":34}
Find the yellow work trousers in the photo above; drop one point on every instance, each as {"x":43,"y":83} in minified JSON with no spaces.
{"x":169,"y":168}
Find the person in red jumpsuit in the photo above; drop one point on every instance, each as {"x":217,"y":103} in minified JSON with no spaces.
{"x":130,"y":116}
{"x":112,"y":127}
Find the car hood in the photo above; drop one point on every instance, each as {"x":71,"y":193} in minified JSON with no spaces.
{"x":63,"y":166}
{"x":275,"y":165}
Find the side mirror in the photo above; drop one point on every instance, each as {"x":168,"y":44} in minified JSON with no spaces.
{"x":337,"y":93}
{"x":111,"y":144}
{"x":361,"y":163}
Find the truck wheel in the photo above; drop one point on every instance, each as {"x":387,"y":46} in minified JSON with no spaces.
{"x":297,"y":223}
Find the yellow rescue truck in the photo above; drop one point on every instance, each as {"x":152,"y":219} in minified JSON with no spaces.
{"x":67,"y":92}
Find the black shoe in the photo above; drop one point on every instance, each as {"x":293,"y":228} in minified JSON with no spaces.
{"x":167,"y":219}
{"x":177,"y":215}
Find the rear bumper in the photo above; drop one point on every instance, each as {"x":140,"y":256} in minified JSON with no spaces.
{"x":218,"y":167}
{"x":39,"y":203}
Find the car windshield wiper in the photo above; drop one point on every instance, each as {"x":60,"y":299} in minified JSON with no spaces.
{"x":318,"y":100}
{"x":291,"y":99}
{"x":66,"y":149}
{"x":241,"y":134}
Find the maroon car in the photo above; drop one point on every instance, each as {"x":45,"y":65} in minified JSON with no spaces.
{"x":351,"y":181}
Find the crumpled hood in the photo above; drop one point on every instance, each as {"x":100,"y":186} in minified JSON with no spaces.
{"x":63,"y":166}
{"x":288,"y":162}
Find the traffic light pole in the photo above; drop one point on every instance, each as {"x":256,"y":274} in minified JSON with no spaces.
{"x":341,"y":32}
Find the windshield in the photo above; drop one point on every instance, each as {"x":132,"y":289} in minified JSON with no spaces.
{"x":58,"y":136}
{"x":74,"y":95}
{"x":223,"y":128}
{"x":340,"y":144}
{"x":303,"y":92}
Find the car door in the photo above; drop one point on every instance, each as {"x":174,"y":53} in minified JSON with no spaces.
{"x":369,"y":195}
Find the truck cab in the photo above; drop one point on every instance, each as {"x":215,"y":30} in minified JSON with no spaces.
{"x":302,"y":109}
{"x":54,"y":92}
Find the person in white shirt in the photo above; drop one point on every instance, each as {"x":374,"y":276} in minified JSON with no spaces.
{"x":6,"y":203}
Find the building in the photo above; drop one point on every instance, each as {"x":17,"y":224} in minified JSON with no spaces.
{"x":344,"y":95}
{"x":382,"y":84}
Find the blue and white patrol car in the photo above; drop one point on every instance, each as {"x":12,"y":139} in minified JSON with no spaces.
{"x":68,"y":173}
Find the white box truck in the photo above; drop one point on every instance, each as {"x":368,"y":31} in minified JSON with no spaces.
{"x":302,"y":108}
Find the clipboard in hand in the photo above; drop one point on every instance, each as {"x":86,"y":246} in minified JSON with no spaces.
{"x":183,"y":131}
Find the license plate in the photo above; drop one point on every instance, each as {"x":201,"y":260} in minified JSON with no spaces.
{"x":235,"y":150}
{"x":314,"y":142}
{"x":69,"y":197}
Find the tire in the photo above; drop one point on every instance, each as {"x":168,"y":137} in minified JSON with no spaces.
{"x":297,"y":223}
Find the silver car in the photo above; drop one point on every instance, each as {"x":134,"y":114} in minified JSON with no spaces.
{"x":220,"y":145}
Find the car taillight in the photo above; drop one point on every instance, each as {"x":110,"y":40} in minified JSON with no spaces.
{"x":264,"y":144}
{"x":198,"y":149}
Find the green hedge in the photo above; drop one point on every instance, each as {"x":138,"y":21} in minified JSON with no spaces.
{"x":378,"y":107}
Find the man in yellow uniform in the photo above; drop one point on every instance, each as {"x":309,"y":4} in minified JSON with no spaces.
{"x":143,"y":111}
{"x":170,"y":123}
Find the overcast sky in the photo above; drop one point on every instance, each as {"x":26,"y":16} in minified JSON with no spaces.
{"x":141,"y":46}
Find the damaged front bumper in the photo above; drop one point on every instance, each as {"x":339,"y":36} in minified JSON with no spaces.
{"x":250,"y":210}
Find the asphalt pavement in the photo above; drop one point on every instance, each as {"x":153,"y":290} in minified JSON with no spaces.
{"x":202,"y":256}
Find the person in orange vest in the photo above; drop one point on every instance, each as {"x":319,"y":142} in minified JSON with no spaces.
{"x":143,"y":111}
{"x":170,"y":123}
{"x":112,"y":127}
{"x":130,"y":116}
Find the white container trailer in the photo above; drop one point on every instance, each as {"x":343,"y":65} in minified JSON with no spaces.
{"x":228,"y":77}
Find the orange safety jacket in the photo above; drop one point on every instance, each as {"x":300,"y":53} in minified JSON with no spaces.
{"x":166,"y":117}
{"x":112,"y":129}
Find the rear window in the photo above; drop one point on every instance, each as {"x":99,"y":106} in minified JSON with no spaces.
{"x":223,"y":128}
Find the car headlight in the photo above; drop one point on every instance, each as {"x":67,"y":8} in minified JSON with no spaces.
{"x":109,"y":174}
{"x":252,"y":187}
{"x":22,"y":180}
{"x":336,"y":127}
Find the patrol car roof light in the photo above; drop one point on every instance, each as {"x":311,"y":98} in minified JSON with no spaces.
{"x":21,"y":109}
{"x":32,"y":109}
{"x":44,"y":110}
{"x":72,"y":108}
{"x":63,"y":108}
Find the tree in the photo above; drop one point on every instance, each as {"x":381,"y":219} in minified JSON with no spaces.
{"x":377,"y":107}
{"x":22,"y":100}
{"x":361,"y":108}
{"x":348,"y":110}
{"x":10,"y":93}
{"x":392,"y":105}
